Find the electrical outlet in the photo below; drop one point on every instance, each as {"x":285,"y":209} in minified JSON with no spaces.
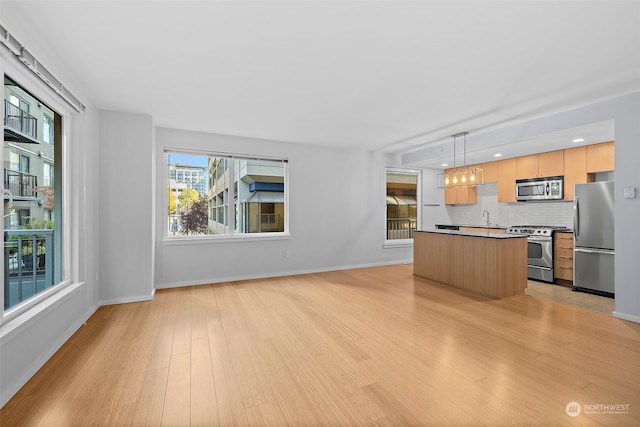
{"x":629,"y":192}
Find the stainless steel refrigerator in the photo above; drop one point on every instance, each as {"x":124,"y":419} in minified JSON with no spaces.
{"x":593,"y":257}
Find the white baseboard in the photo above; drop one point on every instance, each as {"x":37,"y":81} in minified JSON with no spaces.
{"x":278,"y":274}
{"x":628,"y":317}
{"x":139,"y":298}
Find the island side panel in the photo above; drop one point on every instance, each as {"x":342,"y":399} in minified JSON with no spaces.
{"x":459,"y":255}
{"x":487,"y":268}
{"x":514,"y":267}
{"x":432,"y":254}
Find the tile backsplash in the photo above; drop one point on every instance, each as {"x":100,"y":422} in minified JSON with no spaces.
{"x":558,"y":213}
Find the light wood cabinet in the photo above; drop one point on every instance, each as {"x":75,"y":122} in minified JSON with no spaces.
{"x":577,"y":165}
{"x":527,"y":167}
{"x":507,"y":180}
{"x":575,"y":169}
{"x":600,"y":157}
{"x":540,"y":165}
{"x":551,"y":163}
{"x":460,"y":195}
{"x":490,"y":171}
{"x":563,"y":256}
{"x":495,"y":267}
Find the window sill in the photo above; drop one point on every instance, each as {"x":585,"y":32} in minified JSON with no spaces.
{"x":400,"y":243}
{"x":26,"y":316}
{"x":198,"y":240}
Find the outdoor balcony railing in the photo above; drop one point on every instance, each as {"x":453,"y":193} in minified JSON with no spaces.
{"x":28,"y":264}
{"x":21,"y":184}
{"x":401,"y":228}
{"x":19,"y":120}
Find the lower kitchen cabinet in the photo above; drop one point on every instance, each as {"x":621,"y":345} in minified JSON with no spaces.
{"x":563,"y":257}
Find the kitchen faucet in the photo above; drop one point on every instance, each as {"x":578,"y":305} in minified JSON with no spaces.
{"x":486,"y":212}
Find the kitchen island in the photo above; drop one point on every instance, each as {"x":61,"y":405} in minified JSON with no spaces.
{"x":485,"y":263}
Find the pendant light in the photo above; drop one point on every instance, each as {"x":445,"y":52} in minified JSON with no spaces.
{"x":465,"y":178}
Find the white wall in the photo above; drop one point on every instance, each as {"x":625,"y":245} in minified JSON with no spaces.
{"x":627,"y":211}
{"x":434,"y":211}
{"x":126,"y":207}
{"x":336,"y":207}
{"x":29,"y":340}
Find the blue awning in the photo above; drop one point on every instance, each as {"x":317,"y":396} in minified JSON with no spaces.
{"x":265,"y":197}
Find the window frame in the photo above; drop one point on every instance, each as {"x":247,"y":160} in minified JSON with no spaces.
{"x":394,"y":243}
{"x":68,"y":231}
{"x":229,"y":208}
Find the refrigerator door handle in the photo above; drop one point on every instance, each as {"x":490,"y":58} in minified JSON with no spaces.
{"x":595,"y":251}
{"x":576,"y":219}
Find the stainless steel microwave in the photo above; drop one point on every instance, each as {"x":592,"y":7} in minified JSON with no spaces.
{"x":550,"y":188}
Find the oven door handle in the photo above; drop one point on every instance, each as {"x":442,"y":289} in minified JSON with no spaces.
{"x":539,"y":239}
{"x":538,"y":267}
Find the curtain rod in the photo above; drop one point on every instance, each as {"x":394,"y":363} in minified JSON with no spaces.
{"x":39,"y":70}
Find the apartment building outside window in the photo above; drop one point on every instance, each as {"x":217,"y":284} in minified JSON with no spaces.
{"x":32,"y":239}
{"x":244,"y":196}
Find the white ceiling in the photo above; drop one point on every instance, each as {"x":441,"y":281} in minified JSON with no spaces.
{"x":386,"y":75}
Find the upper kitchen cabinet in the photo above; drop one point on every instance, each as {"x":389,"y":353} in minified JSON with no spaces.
{"x":551,"y":163}
{"x":467,"y":195}
{"x":527,"y":166}
{"x":507,"y":180}
{"x":540,"y":165}
{"x":575,"y":169}
{"x":490,"y":171}
{"x":600,"y":157}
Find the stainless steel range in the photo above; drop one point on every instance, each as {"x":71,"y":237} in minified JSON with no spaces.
{"x":539,"y":249}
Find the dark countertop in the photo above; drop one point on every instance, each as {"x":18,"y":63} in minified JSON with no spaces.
{"x":475,"y":234}
{"x":502,"y":227}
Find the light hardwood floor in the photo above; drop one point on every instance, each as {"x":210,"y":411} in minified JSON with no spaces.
{"x":374,"y":346}
{"x":565,"y":295}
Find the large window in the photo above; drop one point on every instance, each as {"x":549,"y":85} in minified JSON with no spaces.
{"x":32,"y":253}
{"x":213,"y":195}
{"x":402,"y":199}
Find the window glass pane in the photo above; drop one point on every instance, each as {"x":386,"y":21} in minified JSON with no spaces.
{"x":47,"y":129}
{"x":32,"y":240}
{"x":14,"y":161}
{"x":402,"y":209}
{"x":260,"y":186}
{"x":25,"y":162}
{"x":252,"y":188}
{"x":188,"y":209}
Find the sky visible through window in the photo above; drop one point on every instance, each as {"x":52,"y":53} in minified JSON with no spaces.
{"x":186,"y":159}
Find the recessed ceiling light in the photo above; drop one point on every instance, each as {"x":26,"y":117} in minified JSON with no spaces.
{"x":497,"y":155}
{"x":578,"y":140}
{"x":445,"y":164}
